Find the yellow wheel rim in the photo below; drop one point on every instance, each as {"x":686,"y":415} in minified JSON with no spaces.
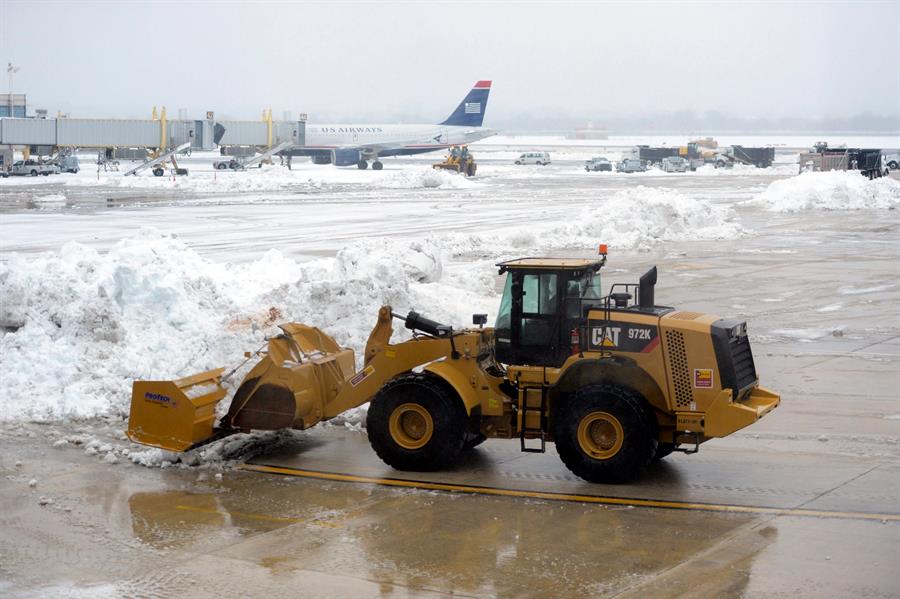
{"x":600,"y":435}
{"x":411,"y":426}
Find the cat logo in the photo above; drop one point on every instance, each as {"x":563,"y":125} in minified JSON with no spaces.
{"x":623,"y":336}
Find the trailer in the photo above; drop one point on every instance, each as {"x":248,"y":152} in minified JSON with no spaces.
{"x":758,"y":157}
{"x":868,"y":161}
{"x":654,"y":155}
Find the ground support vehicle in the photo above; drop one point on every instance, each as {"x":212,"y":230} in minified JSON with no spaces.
{"x":597,"y":164}
{"x":615,"y":381}
{"x":229,"y":163}
{"x":539,"y":158}
{"x":33,"y":168}
{"x":631,"y":165}
{"x":67,"y":163}
{"x":674,"y":164}
{"x":458,"y":160}
{"x":869,"y":162}
{"x":758,"y":157}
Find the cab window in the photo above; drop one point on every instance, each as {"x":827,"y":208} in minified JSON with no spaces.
{"x":539,"y":293}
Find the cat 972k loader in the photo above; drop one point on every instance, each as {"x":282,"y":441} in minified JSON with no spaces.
{"x":614,"y":381}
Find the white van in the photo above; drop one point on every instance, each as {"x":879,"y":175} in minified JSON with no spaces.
{"x":542,"y":158}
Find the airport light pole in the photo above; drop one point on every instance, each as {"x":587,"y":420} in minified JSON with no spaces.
{"x":10,"y":71}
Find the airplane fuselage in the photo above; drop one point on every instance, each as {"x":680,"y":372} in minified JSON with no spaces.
{"x":349,"y":144}
{"x":397,"y":140}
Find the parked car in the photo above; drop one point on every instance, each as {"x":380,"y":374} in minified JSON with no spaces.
{"x":597,"y":163}
{"x":33,"y":168}
{"x":631,"y":165}
{"x":542,"y":158}
{"x":674,"y":164}
{"x":67,"y":164}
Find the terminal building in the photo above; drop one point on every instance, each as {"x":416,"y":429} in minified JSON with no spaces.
{"x":12,"y":105}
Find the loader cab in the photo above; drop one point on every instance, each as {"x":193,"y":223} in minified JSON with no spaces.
{"x":543,"y":300}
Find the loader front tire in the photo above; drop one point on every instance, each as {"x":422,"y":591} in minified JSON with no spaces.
{"x":416,"y":423}
{"x":604,"y":434}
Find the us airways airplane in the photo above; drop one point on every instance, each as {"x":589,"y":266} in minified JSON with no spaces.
{"x":346,"y":145}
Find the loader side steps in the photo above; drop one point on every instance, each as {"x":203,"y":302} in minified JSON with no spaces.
{"x":526,"y":399}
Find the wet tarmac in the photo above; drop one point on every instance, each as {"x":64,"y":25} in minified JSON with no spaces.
{"x":107,"y":531}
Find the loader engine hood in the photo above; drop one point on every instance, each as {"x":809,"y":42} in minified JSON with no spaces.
{"x":707,"y":353}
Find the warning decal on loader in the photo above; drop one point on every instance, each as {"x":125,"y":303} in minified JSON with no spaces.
{"x":622,"y":336}
{"x":361,"y":375}
{"x":703,"y":378}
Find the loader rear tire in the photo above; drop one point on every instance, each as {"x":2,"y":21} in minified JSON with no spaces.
{"x":417,"y":423}
{"x":604,"y":434}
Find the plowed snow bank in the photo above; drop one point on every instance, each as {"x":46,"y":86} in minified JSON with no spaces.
{"x":835,"y":190}
{"x":81,"y":325}
{"x":636,"y":218}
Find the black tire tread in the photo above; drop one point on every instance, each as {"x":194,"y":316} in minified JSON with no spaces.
{"x":447,"y":411}
{"x":638,"y":423}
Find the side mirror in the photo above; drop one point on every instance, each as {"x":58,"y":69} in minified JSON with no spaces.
{"x":479,"y":319}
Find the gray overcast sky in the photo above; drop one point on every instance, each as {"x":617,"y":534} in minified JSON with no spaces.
{"x":393,"y":61}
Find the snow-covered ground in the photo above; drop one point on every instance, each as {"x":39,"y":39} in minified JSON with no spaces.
{"x":105,"y":279}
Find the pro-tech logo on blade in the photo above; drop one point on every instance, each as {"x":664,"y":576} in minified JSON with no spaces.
{"x":473,"y":107}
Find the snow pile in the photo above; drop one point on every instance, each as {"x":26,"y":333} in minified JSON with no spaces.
{"x":635,"y":218}
{"x":252,"y":180}
{"x":640,"y":217}
{"x":81,"y":325}
{"x":834,"y":190}
{"x":428,"y":178}
{"x":277,"y":178}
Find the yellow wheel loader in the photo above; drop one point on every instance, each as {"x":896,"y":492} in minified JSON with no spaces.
{"x":615,"y":380}
{"x":459,"y":160}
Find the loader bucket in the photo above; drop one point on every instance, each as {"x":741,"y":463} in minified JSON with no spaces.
{"x":175,"y":415}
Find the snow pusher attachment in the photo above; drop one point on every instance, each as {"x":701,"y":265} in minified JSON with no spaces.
{"x":175,"y":415}
{"x":301,"y":370}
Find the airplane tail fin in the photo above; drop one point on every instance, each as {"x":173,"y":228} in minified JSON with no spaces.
{"x":470,"y":112}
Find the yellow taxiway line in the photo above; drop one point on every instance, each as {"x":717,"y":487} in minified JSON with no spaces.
{"x":649,"y":503}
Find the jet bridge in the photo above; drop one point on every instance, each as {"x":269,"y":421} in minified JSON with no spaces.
{"x":152,"y":134}
{"x":106,"y":133}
